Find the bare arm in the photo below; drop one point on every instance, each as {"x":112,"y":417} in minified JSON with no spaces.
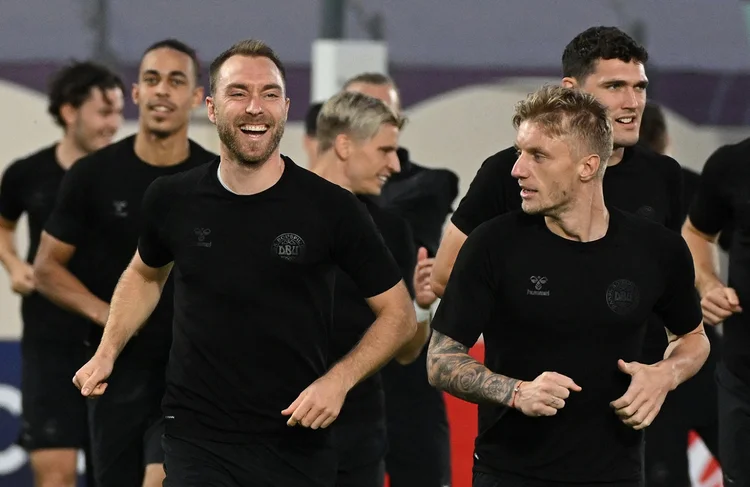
{"x":394,"y":326}
{"x":453,"y":240}
{"x":8,"y":254}
{"x":450,"y":368}
{"x":705,"y":257}
{"x":410,"y":352}
{"x":685,"y":354}
{"x":59,"y":285}
{"x":136,"y":295}
{"x":20,"y":272}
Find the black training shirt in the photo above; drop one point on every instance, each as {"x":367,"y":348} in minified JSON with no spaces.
{"x":545,"y":303}
{"x":254,"y":277}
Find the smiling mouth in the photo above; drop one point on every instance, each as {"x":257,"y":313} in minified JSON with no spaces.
{"x":625,"y":120}
{"x":254,"y":130}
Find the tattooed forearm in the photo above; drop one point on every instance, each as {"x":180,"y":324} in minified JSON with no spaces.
{"x":452,"y":369}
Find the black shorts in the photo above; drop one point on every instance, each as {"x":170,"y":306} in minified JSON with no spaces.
{"x":360,"y":452}
{"x":54,"y":411}
{"x":199,"y":463}
{"x":734,"y":427}
{"x":126,"y":424}
{"x":482,"y":479}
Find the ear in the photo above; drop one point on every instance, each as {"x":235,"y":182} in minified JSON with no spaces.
{"x":134,"y":93}
{"x":568,"y":82}
{"x":286,"y":107}
{"x":68,"y":114}
{"x":198,"y":94}
{"x":589,"y":167}
{"x":211,"y":109}
{"x":343,"y":146}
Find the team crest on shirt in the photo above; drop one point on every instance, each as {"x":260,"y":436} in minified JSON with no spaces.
{"x":289,"y":246}
{"x":646,"y":212}
{"x":623,"y":296}
{"x":120,"y":208}
{"x":201,"y":236}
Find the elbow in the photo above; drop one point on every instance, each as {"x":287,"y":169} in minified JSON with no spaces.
{"x":413,"y":344}
{"x":437,"y":283}
{"x":42,"y":275}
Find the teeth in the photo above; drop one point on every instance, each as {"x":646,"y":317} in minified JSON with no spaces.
{"x":161,"y":109}
{"x":253,"y":128}
{"x":384,"y":179}
{"x":625,"y":120}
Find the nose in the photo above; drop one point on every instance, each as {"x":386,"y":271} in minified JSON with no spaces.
{"x":162,"y":89}
{"x":631,"y":99}
{"x":519,"y":170}
{"x":255,"y":107}
{"x":393,"y":163}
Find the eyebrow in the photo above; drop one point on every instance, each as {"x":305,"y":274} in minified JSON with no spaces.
{"x":242,"y":86}
{"x":171,"y":73}
{"x":621,"y":82}
{"x":532,"y":150}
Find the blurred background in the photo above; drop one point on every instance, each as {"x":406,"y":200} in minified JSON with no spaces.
{"x":460,"y":67}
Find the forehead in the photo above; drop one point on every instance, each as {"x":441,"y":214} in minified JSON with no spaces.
{"x":385,"y":93}
{"x":605,"y":69}
{"x":532,"y":135}
{"x":250,"y":70}
{"x":165,"y":61}
{"x":111,"y":96}
{"x":386,"y":134}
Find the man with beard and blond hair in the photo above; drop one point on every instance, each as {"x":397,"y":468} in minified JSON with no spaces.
{"x":86,"y":101}
{"x":89,"y":240}
{"x":255,"y":241}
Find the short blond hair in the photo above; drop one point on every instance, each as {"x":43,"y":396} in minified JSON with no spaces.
{"x":573,"y":114}
{"x":355,"y":114}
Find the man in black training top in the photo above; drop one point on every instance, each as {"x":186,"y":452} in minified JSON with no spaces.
{"x":722,"y":202}
{"x":357,"y":137}
{"x":86,"y":100}
{"x":610,"y":65}
{"x":694,"y":406}
{"x":562,"y":291}
{"x":255,"y":241}
{"x":97,"y":220}
{"x":418,"y":434}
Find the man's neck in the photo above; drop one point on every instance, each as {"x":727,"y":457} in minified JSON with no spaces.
{"x":68,"y":152}
{"x":617,"y":154}
{"x":329,"y":167}
{"x":162,"y":152}
{"x":245,"y":180}
{"x":585,"y":221}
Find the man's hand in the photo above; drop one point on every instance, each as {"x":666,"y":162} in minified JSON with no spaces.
{"x":319,"y":405}
{"x":649,"y":385}
{"x":22,"y":279}
{"x":718,"y":304}
{"x":545,"y":395}
{"x":422,"y":275}
{"x":90,"y":378}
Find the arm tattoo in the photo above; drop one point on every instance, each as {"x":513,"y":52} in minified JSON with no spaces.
{"x":452,"y":369}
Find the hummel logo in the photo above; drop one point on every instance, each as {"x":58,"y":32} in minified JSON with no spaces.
{"x":202,"y":233}
{"x":538,"y":282}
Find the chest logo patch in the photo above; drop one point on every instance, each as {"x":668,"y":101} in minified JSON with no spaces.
{"x":623,"y":297}
{"x":289,"y":246}
{"x":538,"y":283}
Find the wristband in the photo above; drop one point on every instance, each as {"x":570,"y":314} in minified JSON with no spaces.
{"x":422,"y":314}
{"x":515,"y":393}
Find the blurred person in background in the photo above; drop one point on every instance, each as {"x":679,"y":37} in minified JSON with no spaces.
{"x":418,"y":433}
{"x":86,"y":101}
{"x":357,"y":136}
{"x":310,"y":140}
{"x":97,"y":221}
{"x":693,"y":406}
{"x":721,"y":202}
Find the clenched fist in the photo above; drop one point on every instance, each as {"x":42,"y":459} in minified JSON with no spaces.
{"x":544,"y":395}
